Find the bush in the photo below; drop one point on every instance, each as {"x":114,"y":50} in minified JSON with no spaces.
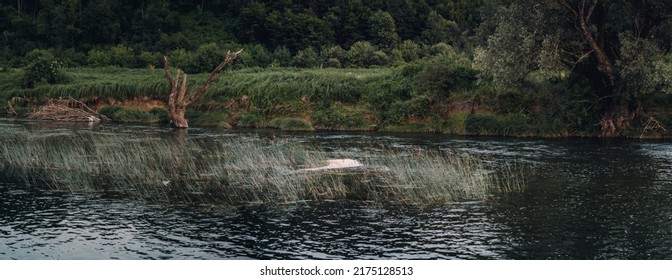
{"x":417,"y":107}
{"x":205,"y":59}
{"x":332,"y":63}
{"x":121,"y":56}
{"x":306,"y":58}
{"x":181,"y":58}
{"x":361,"y":54}
{"x":282,"y":57}
{"x":43,"y":67}
{"x":439,"y":77}
{"x":149,"y":59}
{"x":99,"y":58}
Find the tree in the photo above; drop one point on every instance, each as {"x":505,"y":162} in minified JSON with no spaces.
{"x":439,"y":29}
{"x":592,"y":40}
{"x":177,"y":104}
{"x":382,"y":30}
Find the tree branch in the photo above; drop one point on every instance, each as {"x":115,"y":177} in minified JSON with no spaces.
{"x":213,"y":77}
{"x":568,"y":6}
{"x":590,"y":11}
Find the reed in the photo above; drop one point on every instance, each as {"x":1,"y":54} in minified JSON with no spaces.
{"x":235,"y":172}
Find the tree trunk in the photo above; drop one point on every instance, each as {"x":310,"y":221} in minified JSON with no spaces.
{"x":177,"y":104}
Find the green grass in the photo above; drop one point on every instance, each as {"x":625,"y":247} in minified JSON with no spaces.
{"x":388,"y":99}
{"x":235,"y":172}
{"x":129,"y":115}
{"x":291,"y":124}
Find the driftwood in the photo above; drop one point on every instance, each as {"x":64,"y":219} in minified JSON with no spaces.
{"x":652,"y":126}
{"x":177,"y":104}
{"x":10,"y":109}
{"x":69,"y":110}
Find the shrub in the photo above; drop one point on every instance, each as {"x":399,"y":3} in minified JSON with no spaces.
{"x":409,"y":50}
{"x":332,"y":63}
{"x":121,"y":55}
{"x":181,"y":58}
{"x":99,"y":58}
{"x":282,"y":57}
{"x":361,"y":54}
{"x":149,"y":59}
{"x":205,"y":58}
{"x":306,"y":58}
{"x":43,"y":67}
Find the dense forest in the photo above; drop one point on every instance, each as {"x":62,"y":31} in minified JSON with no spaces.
{"x":281,"y":33}
{"x":529,"y":67}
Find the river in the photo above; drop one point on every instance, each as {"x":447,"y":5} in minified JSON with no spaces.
{"x":584,"y":199}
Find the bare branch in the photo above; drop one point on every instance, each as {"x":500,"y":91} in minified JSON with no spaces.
{"x":166,"y":68}
{"x":176,"y":103}
{"x":590,"y":11}
{"x":183,"y":89}
{"x":213,"y":76}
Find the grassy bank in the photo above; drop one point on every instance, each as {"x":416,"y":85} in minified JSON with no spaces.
{"x":438,"y":95}
{"x":235,"y":172}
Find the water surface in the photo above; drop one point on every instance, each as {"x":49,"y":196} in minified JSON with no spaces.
{"x":585,"y":199}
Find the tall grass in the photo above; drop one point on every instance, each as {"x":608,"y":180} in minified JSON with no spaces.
{"x":237,"y":172}
{"x":234,"y":172}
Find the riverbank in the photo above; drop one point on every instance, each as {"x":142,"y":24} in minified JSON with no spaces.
{"x":434,"y":96}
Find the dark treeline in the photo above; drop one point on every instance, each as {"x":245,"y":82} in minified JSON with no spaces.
{"x":133,"y":33}
{"x":551,"y":67}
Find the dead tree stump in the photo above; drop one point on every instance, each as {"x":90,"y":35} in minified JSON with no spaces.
{"x":178,"y":101}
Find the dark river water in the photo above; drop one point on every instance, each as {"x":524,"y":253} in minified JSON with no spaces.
{"x":585,"y":199}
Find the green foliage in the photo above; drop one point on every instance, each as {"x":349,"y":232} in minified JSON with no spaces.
{"x":149,"y":59}
{"x":205,"y":58}
{"x":160,"y":113}
{"x":291,"y":124}
{"x":364,"y":54}
{"x":338,"y":117}
{"x":99,"y":58}
{"x":181,"y":58}
{"x":249,"y":120}
{"x":643,"y":69}
{"x":409,"y":51}
{"x":212,"y":119}
{"x":121,"y":55}
{"x":282,"y":57}
{"x":43,"y":67}
{"x":439,"y":29}
{"x":306,"y":58}
{"x":382,"y":29}
{"x":416,"y":107}
{"x":128,"y":115}
{"x":439,"y":77}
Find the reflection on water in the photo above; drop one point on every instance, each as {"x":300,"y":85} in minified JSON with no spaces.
{"x":586,"y":199}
